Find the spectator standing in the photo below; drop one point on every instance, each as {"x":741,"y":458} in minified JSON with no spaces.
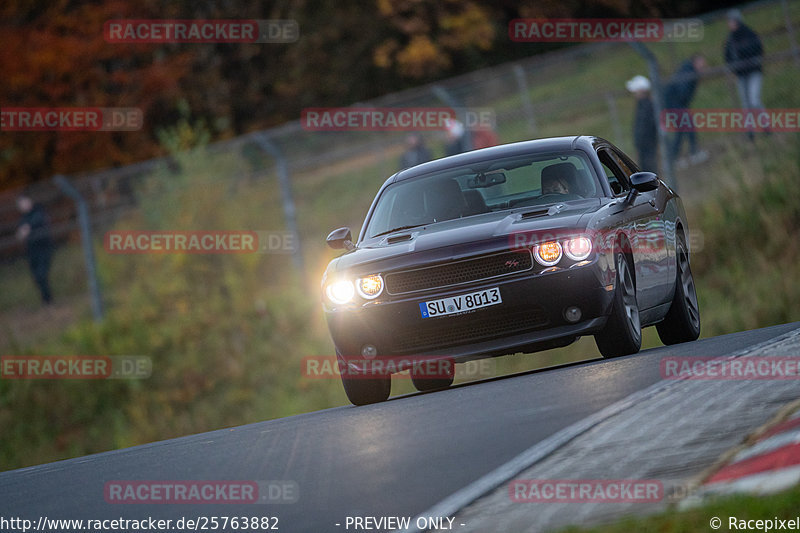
{"x":34,"y":229}
{"x":744,"y":55}
{"x":645,"y":127}
{"x":456,"y":138}
{"x":416,"y":152}
{"x":678,"y":95}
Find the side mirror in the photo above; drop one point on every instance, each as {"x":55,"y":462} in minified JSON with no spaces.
{"x":644,"y":181}
{"x":340,"y":238}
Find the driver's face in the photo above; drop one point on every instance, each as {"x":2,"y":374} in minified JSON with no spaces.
{"x":556,"y":187}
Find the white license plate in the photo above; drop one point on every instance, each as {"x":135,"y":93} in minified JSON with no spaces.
{"x":460,"y":304}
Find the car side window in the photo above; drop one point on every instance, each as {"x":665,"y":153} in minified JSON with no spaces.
{"x":618,"y":180}
{"x":627,"y":166}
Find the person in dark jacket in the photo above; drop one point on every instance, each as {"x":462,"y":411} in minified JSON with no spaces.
{"x":645,"y":128}
{"x":416,"y":152}
{"x":34,"y":229}
{"x":743,"y":56}
{"x":678,"y":95}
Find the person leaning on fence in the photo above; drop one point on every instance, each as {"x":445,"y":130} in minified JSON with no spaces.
{"x":34,"y":229}
{"x":645,"y":128}
{"x":743,"y":56}
{"x":678,"y":95}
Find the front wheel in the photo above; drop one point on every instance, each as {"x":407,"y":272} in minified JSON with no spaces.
{"x":363,"y":388}
{"x":442,"y":377}
{"x":622,"y":334}
{"x":682,"y":322}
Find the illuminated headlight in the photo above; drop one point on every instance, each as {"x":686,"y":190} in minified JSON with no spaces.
{"x":340,"y":292}
{"x":547,"y":253}
{"x":578,"y":248}
{"x":370,"y":287}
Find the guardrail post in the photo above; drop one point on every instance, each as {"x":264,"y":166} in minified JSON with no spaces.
{"x":525,"y":96}
{"x":289,"y":211}
{"x":614,"y":114}
{"x":86,"y":242}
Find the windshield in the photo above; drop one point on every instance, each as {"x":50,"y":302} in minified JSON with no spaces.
{"x":485,"y":187}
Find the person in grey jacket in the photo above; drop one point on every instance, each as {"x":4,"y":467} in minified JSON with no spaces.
{"x":744,"y":54}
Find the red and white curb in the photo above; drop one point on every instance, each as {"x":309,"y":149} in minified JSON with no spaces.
{"x":770,"y":465}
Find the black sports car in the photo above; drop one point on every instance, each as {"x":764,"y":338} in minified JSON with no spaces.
{"x":514,"y":248}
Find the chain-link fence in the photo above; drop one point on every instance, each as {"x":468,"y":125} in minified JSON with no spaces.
{"x":576,"y":90}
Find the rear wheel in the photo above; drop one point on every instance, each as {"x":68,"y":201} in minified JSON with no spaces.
{"x":682,"y":323}
{"x":622,"y":334}
{"x":363,"y":388}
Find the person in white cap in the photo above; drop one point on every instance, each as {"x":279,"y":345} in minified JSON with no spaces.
{"x":743,"y":55}
{"x":645,"y":128}
{"x":456,"y":137}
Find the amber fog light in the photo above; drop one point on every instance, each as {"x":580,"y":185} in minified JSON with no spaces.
{"x":547,"y":253}
{"x":370,"y":287}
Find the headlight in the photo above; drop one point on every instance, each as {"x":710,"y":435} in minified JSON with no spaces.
{"x":547,"y":253}
{"x":370,"y":287}
{"x":340,"y":292}
{"x":578,"y":248}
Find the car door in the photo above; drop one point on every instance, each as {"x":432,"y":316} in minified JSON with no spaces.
{"x":643,"y":222}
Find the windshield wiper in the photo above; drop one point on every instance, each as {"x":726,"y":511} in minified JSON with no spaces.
{"x":398,"y":229}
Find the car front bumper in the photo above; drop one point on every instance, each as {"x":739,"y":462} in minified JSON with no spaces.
{"x":530,"y":318}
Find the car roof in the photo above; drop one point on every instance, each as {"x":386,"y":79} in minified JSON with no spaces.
{"x":585,"y":142}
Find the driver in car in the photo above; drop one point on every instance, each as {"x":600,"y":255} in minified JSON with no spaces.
{"x":554,"y":185}
{"x":562,"y":179}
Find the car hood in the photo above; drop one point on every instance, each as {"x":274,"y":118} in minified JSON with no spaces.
{"x":463,"y":237}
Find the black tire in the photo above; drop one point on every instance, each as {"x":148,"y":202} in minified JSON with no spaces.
{"x":424,"y":383}
{"x":682,"y":322}
{"x":362,"y":389}
{"x":622,"y":334}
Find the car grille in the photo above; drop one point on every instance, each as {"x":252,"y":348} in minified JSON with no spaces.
{"x":474,"y":327}
{"x":458,"y":272}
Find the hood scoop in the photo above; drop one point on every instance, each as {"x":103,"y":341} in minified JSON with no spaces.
{"x":398,"y":238}
{"x":542,"y":211}
{"x":535,"y":213}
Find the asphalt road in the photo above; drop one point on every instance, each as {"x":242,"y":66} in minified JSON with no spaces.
{"x":398,"y":458}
